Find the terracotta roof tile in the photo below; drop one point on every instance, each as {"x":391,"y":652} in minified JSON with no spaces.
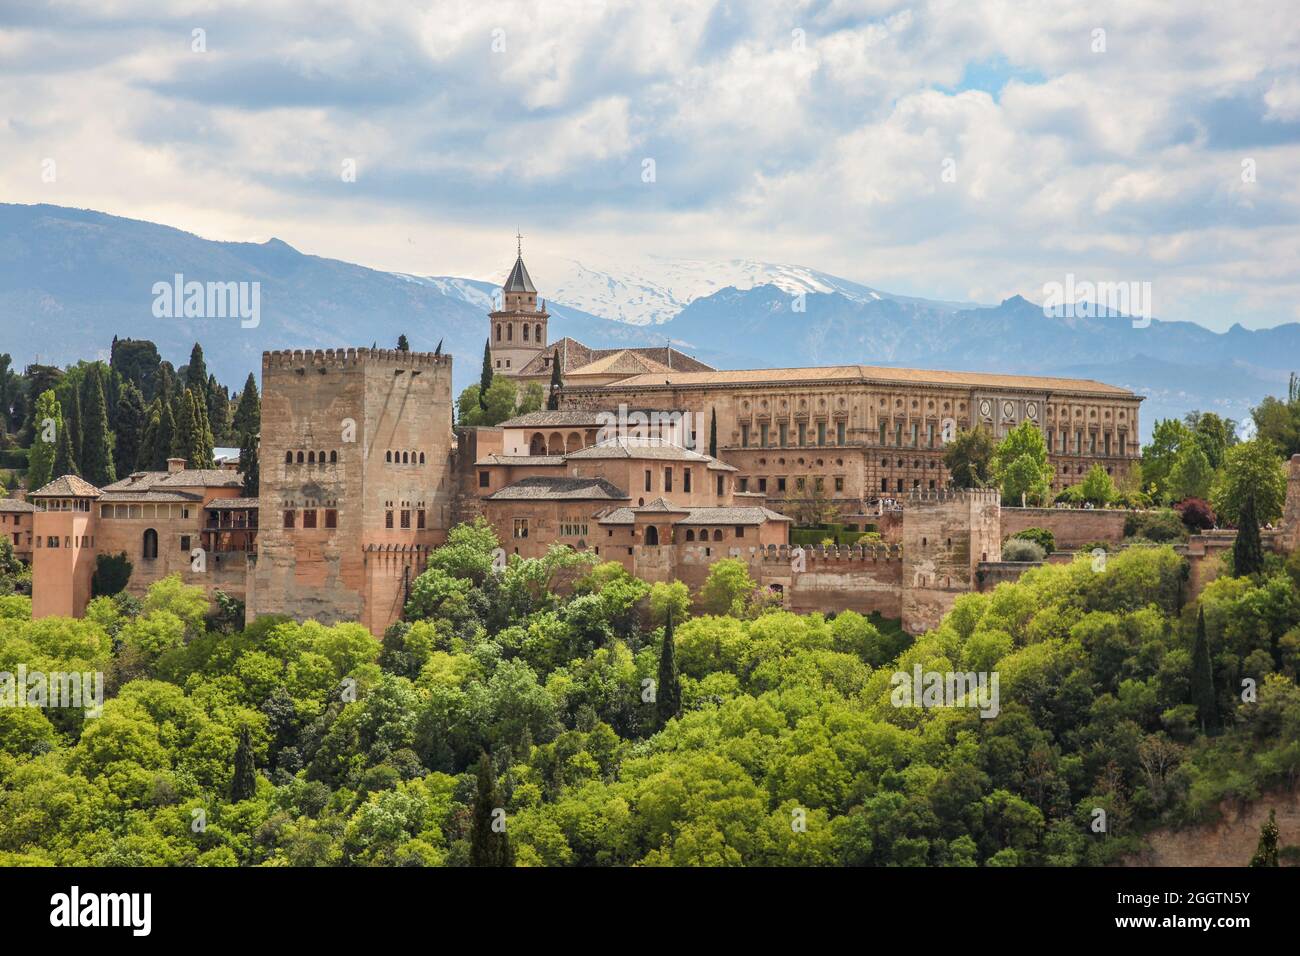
{"x":67,"y":486}
{"x":868,"y":374}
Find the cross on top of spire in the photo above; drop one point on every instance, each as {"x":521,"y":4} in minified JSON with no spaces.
{"x":519,"y":245}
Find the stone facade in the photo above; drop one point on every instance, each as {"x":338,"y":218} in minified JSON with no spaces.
{"x":862,"y":433}
{"x":355,"y":481}
{"x":1072,"y":528}
{"x":946,"y":534}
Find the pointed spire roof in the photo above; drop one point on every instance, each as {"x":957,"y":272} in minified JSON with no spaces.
{"x":519,"y":280}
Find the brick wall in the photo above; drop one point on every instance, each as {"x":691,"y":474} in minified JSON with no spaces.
{"x":1072,"y":527}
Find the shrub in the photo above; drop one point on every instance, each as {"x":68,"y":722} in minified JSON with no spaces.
{"x":1022,"y":549}
{"x":112,"y":572}
{"x":1041,"y":536}
{"x":1159,"y":526}
{"x":1196,"y":514}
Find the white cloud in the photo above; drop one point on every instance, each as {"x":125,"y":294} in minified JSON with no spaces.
{"x":831,"y":154}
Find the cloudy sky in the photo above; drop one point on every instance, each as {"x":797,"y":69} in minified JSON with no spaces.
{"x":960,"y":149}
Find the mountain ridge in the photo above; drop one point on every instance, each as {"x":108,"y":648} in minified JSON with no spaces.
{"x":71,"y":279}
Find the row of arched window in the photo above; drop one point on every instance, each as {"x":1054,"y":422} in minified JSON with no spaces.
{"x":404,"y":457}
{"x":310,"y":457}
{"x":704,"y":534}
{"x":510,"y":332}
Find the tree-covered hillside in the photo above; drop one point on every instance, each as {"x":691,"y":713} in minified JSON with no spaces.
{"x":501,"y":723}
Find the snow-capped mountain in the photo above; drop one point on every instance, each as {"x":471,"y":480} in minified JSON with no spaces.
{"x":653,"y":290}
{"x":72,"y":279}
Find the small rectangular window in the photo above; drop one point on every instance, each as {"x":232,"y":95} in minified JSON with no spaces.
{"x":647,"y":479}
{"x":740,"y":531}
{"x":686,"y":479}
{"x":668,"y":480}
{"x":288,"y":519}
{"x":839,"y":484}
{"x":309,"y":518}
{"x":762,"y":484}
{"x":484,"y":479}
{"x":780,"y":484}
{"x":388,"y":519}
{"x":744,"y":484}
{"x":406,"y":518}
{"x":185,"y":544}
{"x":419,"y":518}
{"x":331,"y":518}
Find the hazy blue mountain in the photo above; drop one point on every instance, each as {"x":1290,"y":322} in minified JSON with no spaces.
{"x":1178,"y":366}
{"x":72,"y":279}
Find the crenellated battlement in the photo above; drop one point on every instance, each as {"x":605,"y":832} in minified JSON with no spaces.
{"x":920,"y":496}
{"x":351,"y":358}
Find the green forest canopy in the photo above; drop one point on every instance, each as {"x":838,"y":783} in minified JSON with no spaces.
{"x":788,"y":750}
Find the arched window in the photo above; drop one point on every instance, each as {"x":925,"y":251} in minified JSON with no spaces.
{"x":150,"y":547}
{"x":311,"y":458}
{"x":651,"y":535}
{"x":288,"y":458}
{"x":690,"y":535}
{"x":538,"y":336}
{"x":300,"y":458}
{"x":320,"y":456}
{"x":334,"y":457}
{"x":406,"y":458}
{"x":717,"y":534}
{"x":498,"y":331}
{"x":525,"y":331}
{"x":422,"y":458}
{"x":538,"y":445}
{"x":510,"y":333}
{"x":388,"y":456}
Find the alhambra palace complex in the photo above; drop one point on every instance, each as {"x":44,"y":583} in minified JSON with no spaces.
{"x":362,"y":473}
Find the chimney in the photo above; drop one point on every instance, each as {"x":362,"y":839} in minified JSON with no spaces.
{"x":174,"y":465}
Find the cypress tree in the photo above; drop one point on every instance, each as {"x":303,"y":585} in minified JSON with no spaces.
{"x":553,"y":400}
{"x":248,"y":413}
{"x":72,"y":425}
{"x":218,"y":410}
{"x":1248,"y":550}
{"x":485,"y":378}
{"x":713,"y":435}
{"x":249,"y":465}
{"x":97,"y":442}
{"x":1266,"y":852}
{"x":196,"y":373}
{"x":244,"y":782}
{"x":1203,"y":679}
{"x":132,"y":420}
{"x":166,"y":439}
{"x":402,"y":344}
{"x":64,"y":464}
{"x":193,"y":439}
{"x":488,"y":845}
{"x":40,"y":463}
{"x":668,"y":695}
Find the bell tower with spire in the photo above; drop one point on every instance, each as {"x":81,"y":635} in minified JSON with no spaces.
{"x":517,"y":331}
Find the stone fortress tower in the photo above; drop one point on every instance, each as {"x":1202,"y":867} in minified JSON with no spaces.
{"x":946,"y":534}
{"x":517,"y":331}
{"x":355,"y":481}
